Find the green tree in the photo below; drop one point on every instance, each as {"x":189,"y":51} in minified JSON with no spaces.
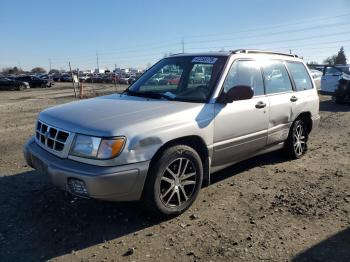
{"x":341,"y":58}
{"x":338,"y":59}
{"x":12,"y":70}
{"x":312,"y":63}
{"x":54,"y":71}
{"x":38,"y":70}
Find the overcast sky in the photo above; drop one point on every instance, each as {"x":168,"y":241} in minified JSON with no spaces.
{"x":135,"y":33}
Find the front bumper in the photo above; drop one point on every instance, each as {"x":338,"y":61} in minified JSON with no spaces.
{"x":117,"y":183}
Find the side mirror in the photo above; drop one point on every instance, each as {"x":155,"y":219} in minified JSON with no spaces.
{"x":236,"y":93}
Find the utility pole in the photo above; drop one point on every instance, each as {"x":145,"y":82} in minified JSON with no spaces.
{"x":71,"y":73}
{"x":98,"y":67}
{"x":115,"y":75}
{"x":183,"y":45}
{"x":49,"y":65}
{"x":290,"y":51}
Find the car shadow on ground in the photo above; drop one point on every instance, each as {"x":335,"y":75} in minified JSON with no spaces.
{"x":265,"y":159}
{"x":335,"y":248}
{"x":39,"y":222}
{"x":331,"y":106}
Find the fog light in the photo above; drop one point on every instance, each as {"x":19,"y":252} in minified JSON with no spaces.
{"x":77,"y":186}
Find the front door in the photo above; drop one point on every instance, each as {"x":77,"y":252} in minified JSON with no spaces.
{"x":240,"y":127}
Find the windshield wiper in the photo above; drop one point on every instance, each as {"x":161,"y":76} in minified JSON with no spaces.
{"x":148,"y":94}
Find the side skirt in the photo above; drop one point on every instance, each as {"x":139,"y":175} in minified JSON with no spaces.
{"x":269,"y":149}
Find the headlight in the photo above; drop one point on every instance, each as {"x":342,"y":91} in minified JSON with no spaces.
{"x":95,"y":147}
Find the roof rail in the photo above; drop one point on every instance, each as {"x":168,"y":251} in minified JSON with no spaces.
{"x":254,"y":51}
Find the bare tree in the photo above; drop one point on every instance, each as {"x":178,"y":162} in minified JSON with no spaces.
{"x":38,"y":70}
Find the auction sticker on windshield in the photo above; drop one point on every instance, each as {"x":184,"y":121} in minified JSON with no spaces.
{"x":204,"y":60}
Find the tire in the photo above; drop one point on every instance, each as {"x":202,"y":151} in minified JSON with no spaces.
{"x":296,"y":144}
{"x":339,"y":99}
{"x":21,"y":87}
{"x":43,"y":85}
{"x":174,"y":181}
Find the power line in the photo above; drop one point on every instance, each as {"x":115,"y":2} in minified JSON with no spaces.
{"x":98,"y":66}
{"x":268,"y":27}
{"x":183,"y":45}
{"x":157,"y":55}
{"x":172,"y":43}
{"x":276,"y":41}
{"x":264,"y":35}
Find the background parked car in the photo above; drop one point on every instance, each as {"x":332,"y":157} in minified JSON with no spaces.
{"x":126,"y":80}
{"x":10,"y":84}
{"x":84,"y":78}
{"x":34,"y":81}
{"x":331,"y":77}
{"x":65,"y":78}
{"x":342,"y":93}
{"x":316,"y":75}
{"x":49,"y":79}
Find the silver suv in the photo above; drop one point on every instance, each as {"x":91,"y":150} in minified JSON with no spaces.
{"x":185,"y":118}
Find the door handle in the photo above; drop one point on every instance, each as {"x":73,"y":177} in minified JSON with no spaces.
{"x":293,"y":99}
{"x":260,"y":105}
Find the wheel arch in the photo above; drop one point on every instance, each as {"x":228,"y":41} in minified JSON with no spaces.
{"x":193,"y":141}
{"x":306,"y":117}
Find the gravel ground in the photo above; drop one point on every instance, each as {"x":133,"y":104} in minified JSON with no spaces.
{"x":266,"y":208}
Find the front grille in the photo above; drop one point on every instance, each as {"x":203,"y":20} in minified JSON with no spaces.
{"x":51,"y":137}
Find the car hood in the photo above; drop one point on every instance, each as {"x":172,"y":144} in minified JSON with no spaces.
{"x":115,"y":115}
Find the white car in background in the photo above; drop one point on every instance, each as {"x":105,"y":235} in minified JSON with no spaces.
{"x":316,"y":76}
{"x":331,"y":76}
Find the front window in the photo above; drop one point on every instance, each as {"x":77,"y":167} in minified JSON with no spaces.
{"x":245,"y":72}
{"x":186,"y":78}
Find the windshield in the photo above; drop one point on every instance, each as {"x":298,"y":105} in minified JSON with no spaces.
{"x":335,"y":70}
{"x":186,"y":78}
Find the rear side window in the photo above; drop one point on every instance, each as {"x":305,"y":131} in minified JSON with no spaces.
{"x":300,"y":76}
{"x":276,"y":77}
{"x":245,"y":72}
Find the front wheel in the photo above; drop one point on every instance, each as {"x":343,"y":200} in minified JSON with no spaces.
{"x":339,"y":99}
{"x":174,"y":181}
{"x":21,"y":87}
{"x":296,"y":144}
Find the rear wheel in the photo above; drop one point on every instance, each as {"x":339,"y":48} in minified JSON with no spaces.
{"x":296,"y":144}
{"x":174,"y":181}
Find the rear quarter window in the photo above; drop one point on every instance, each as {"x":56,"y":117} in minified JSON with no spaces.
{"x":300,"y":76}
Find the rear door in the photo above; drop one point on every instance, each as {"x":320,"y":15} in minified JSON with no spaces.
{"x":306,"y":98}
{"x":281,"y":97}
{"x":241,"y":126}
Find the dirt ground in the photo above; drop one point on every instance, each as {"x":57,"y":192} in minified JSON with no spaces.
{"x":266,"y":208}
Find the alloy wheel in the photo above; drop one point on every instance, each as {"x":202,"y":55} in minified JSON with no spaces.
{"x":299,"y":140}
{"x":178,"y":182}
